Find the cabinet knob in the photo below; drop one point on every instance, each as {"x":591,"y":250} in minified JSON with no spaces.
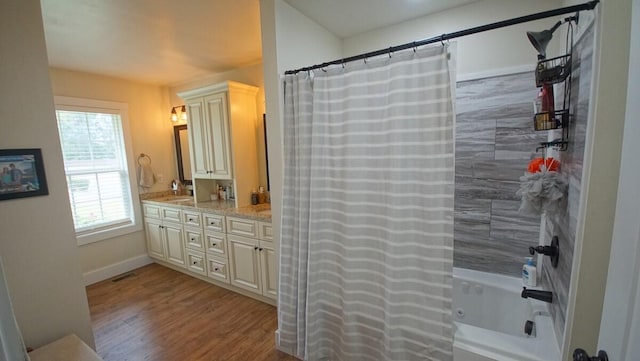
{"x":255,"y":248}
{"x":213,"y":244}
{"x":190,"y":219}
{"x":195,"y":262}
{"x":215,"y":269}
{"x":260,"y":249}
{"x":193,"y":239}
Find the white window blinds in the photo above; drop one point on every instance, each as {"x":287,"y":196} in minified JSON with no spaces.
{"x":96,"y":166}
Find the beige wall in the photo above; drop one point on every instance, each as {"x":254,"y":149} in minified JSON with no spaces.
{"x":151,"y":133}
{"x":493,"y":50}
{"x":252,"y":75}
{"x":37,"y":241}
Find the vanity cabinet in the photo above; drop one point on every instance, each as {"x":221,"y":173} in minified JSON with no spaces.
{"x":230,"y":251}
{"x":165,"y":238}
{"x":222,"y":138}
{"x":252,"y":260}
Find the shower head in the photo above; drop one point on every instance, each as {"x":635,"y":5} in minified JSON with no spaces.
{"x":540,"y":39}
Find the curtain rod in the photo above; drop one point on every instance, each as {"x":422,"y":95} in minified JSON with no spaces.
{"x":440,"y":38}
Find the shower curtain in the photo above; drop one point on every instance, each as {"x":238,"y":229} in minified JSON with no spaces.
{"x":367,"y":231}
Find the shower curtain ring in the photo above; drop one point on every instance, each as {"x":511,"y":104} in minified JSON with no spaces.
{"x":390,"y":52}
{"x":365,"y":60}
{"x":442,"y":39}
{"x":414,"y":47}
{"x":342,"y":63}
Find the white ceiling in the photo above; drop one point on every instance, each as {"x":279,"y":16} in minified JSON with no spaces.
{"x":168,"y":41}
{"x":154,"y":41}
{"x":345,"y":18}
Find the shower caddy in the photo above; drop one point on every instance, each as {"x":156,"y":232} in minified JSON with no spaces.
{"x":553,"y":71}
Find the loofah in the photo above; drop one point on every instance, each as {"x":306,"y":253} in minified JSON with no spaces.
{"x":542,"y":192}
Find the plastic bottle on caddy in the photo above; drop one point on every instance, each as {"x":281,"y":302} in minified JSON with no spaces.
{"x":529,"y":273}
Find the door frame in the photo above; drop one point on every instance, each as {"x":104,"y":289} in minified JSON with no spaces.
{"x":620,"y":322}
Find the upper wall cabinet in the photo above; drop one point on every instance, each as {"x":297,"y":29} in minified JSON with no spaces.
{"x":209,"y":136}
{"x":222,"y":134}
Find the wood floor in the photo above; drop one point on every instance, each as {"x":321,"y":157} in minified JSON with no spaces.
{"x":163,"y":315}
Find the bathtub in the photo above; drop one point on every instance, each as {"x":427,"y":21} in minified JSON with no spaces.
{"x":489,"y":317}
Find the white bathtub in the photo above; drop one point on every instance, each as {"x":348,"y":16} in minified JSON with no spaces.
{"x":489,"y":317}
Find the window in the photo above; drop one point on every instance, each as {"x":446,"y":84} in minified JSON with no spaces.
{"x":94,"y":138}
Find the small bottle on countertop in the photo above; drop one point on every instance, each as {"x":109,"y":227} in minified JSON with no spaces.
{"x":254,"y":197}
{"x":262,"y":196}
{"x":529,"y":273}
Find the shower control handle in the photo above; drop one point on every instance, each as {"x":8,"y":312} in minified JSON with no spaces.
{"x":553,"y":251}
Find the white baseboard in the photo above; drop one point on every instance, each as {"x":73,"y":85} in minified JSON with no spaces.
{"x":115,"y":269}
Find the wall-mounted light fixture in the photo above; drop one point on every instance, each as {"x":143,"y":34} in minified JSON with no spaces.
{"x":183,"y":113}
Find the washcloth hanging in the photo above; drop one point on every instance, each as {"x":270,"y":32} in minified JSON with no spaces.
{"x":145,"y":172}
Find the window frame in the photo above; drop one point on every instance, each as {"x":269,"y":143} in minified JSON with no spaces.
{"x":122,"y":109}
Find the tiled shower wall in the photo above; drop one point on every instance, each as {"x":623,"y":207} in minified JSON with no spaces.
{"x":564,"y":225}
{"x":495,"y":141}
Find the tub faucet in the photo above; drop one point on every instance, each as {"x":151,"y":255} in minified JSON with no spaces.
{"x":544,"y":296}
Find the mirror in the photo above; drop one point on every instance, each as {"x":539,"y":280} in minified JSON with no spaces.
{"x":182,"y":153}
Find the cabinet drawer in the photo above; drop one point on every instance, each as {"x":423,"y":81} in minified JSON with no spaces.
{"x":172,"y":214}
{"x":196,"y":262}
{"x":265,"y":231}
{"x":216,"y":243}
{"x":193,"y":239}
{"x":213,"y":222}
{"x":217,"y":269}
{"x":242,"y":227}
{"x":190,"y":218}
{"x":151,"y":210}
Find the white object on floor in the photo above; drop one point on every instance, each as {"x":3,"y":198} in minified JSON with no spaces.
{"x":68,"y":348}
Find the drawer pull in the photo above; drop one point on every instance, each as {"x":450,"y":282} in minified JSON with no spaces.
{"x":255,"y":248}
{"x":213,"y":244}
{"x":195,"y":262}
{"x":260,"y":249}
{"x":193,"y":239}
{"x":215,"y":269}
{"x":190,"y":219}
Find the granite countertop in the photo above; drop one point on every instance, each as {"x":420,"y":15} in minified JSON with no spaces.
{"x":260,"y":212}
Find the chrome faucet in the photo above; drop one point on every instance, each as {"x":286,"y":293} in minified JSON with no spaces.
{"x":545,"y":296}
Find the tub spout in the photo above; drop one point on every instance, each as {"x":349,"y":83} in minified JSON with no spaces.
{"x":544,"y":296}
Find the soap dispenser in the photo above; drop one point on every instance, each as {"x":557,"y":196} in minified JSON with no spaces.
{"x":529,"y":273}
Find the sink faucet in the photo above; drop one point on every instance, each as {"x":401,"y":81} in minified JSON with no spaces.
{"x":544,"y":296}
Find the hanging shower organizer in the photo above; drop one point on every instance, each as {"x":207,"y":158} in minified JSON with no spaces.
{"x":554,"y":71}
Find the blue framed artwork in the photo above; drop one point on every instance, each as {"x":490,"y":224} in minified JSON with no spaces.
{"x":22,"y":174}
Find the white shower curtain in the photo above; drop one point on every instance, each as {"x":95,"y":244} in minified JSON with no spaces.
{"x":367,"y":235}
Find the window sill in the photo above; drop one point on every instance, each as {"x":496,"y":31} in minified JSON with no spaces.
{"x":105,"y":234}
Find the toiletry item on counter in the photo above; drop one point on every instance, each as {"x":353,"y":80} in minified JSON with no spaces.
{"x":529,"y":273}
{"x":254,"y":197}
{"x":230,"y":194}
{"x":222,"y":193}
{"x":262,"y":196}
{"x":213,"y":196}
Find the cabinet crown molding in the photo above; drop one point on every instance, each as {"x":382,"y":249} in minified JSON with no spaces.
{"x":215,"y":88}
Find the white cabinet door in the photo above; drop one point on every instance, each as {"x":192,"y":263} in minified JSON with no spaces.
{"x":200,"y":165}
{"x":196,"y":262}
{"x":244,"y":263}
{"x":155,"y":244}
{"x":193,"y":239}
{"x":218,"y":135}
{"x":268,"y":269}
{"x":175,"y":244}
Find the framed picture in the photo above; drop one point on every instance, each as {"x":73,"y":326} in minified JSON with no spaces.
{"x":22,"y":174}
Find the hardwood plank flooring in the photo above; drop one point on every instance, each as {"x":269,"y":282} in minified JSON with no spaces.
{"x":159,"y":314}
